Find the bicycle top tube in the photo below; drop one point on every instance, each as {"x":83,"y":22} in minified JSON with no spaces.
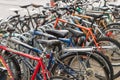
{"x":19,"y":53}
{"x":64,"y":21}
{"x":85,"y":49}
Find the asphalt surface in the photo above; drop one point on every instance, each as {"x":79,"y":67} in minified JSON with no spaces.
{"x":6,"y":5}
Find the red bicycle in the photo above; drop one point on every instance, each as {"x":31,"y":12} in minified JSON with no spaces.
{"x":39,"y":71}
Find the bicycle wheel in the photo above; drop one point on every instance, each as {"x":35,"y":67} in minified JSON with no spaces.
{"x":113,"y":53}
{"x":78,"y":67}
{"x":114,"y":25}
{"x":12,"y":64}
{"x":113,"y":31}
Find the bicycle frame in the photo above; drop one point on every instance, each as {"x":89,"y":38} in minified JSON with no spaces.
{"x":37,"y":67}
{"x":89,"y":30}
{"x":99,"y":22}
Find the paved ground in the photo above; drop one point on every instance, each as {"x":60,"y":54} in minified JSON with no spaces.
{"x":5,"y":5}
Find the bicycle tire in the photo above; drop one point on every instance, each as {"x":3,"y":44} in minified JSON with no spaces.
{"x":106,"y":69}
{"x":12,"y":62}
{"x":113,"y":32}
{"x":113,"y":25}
{"x":117,"y":44}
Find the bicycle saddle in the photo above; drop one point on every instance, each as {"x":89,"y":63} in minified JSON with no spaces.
{"x":95,"y":15}
{"x":58,"y":33}
{"x":104,"y":8}
{"x":115,"y":5}
{"x":1,"y":19}
{"x":49,"y":36}
{"x":36,"y":5}
{"x":25,"y":6}
{"x":10,"y":29}
{"x":76,"y":33}
{"x":50,"y":43}
{"x":16,"y":16}
{"x":118,"y":6}
{"x":40,"y":16}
